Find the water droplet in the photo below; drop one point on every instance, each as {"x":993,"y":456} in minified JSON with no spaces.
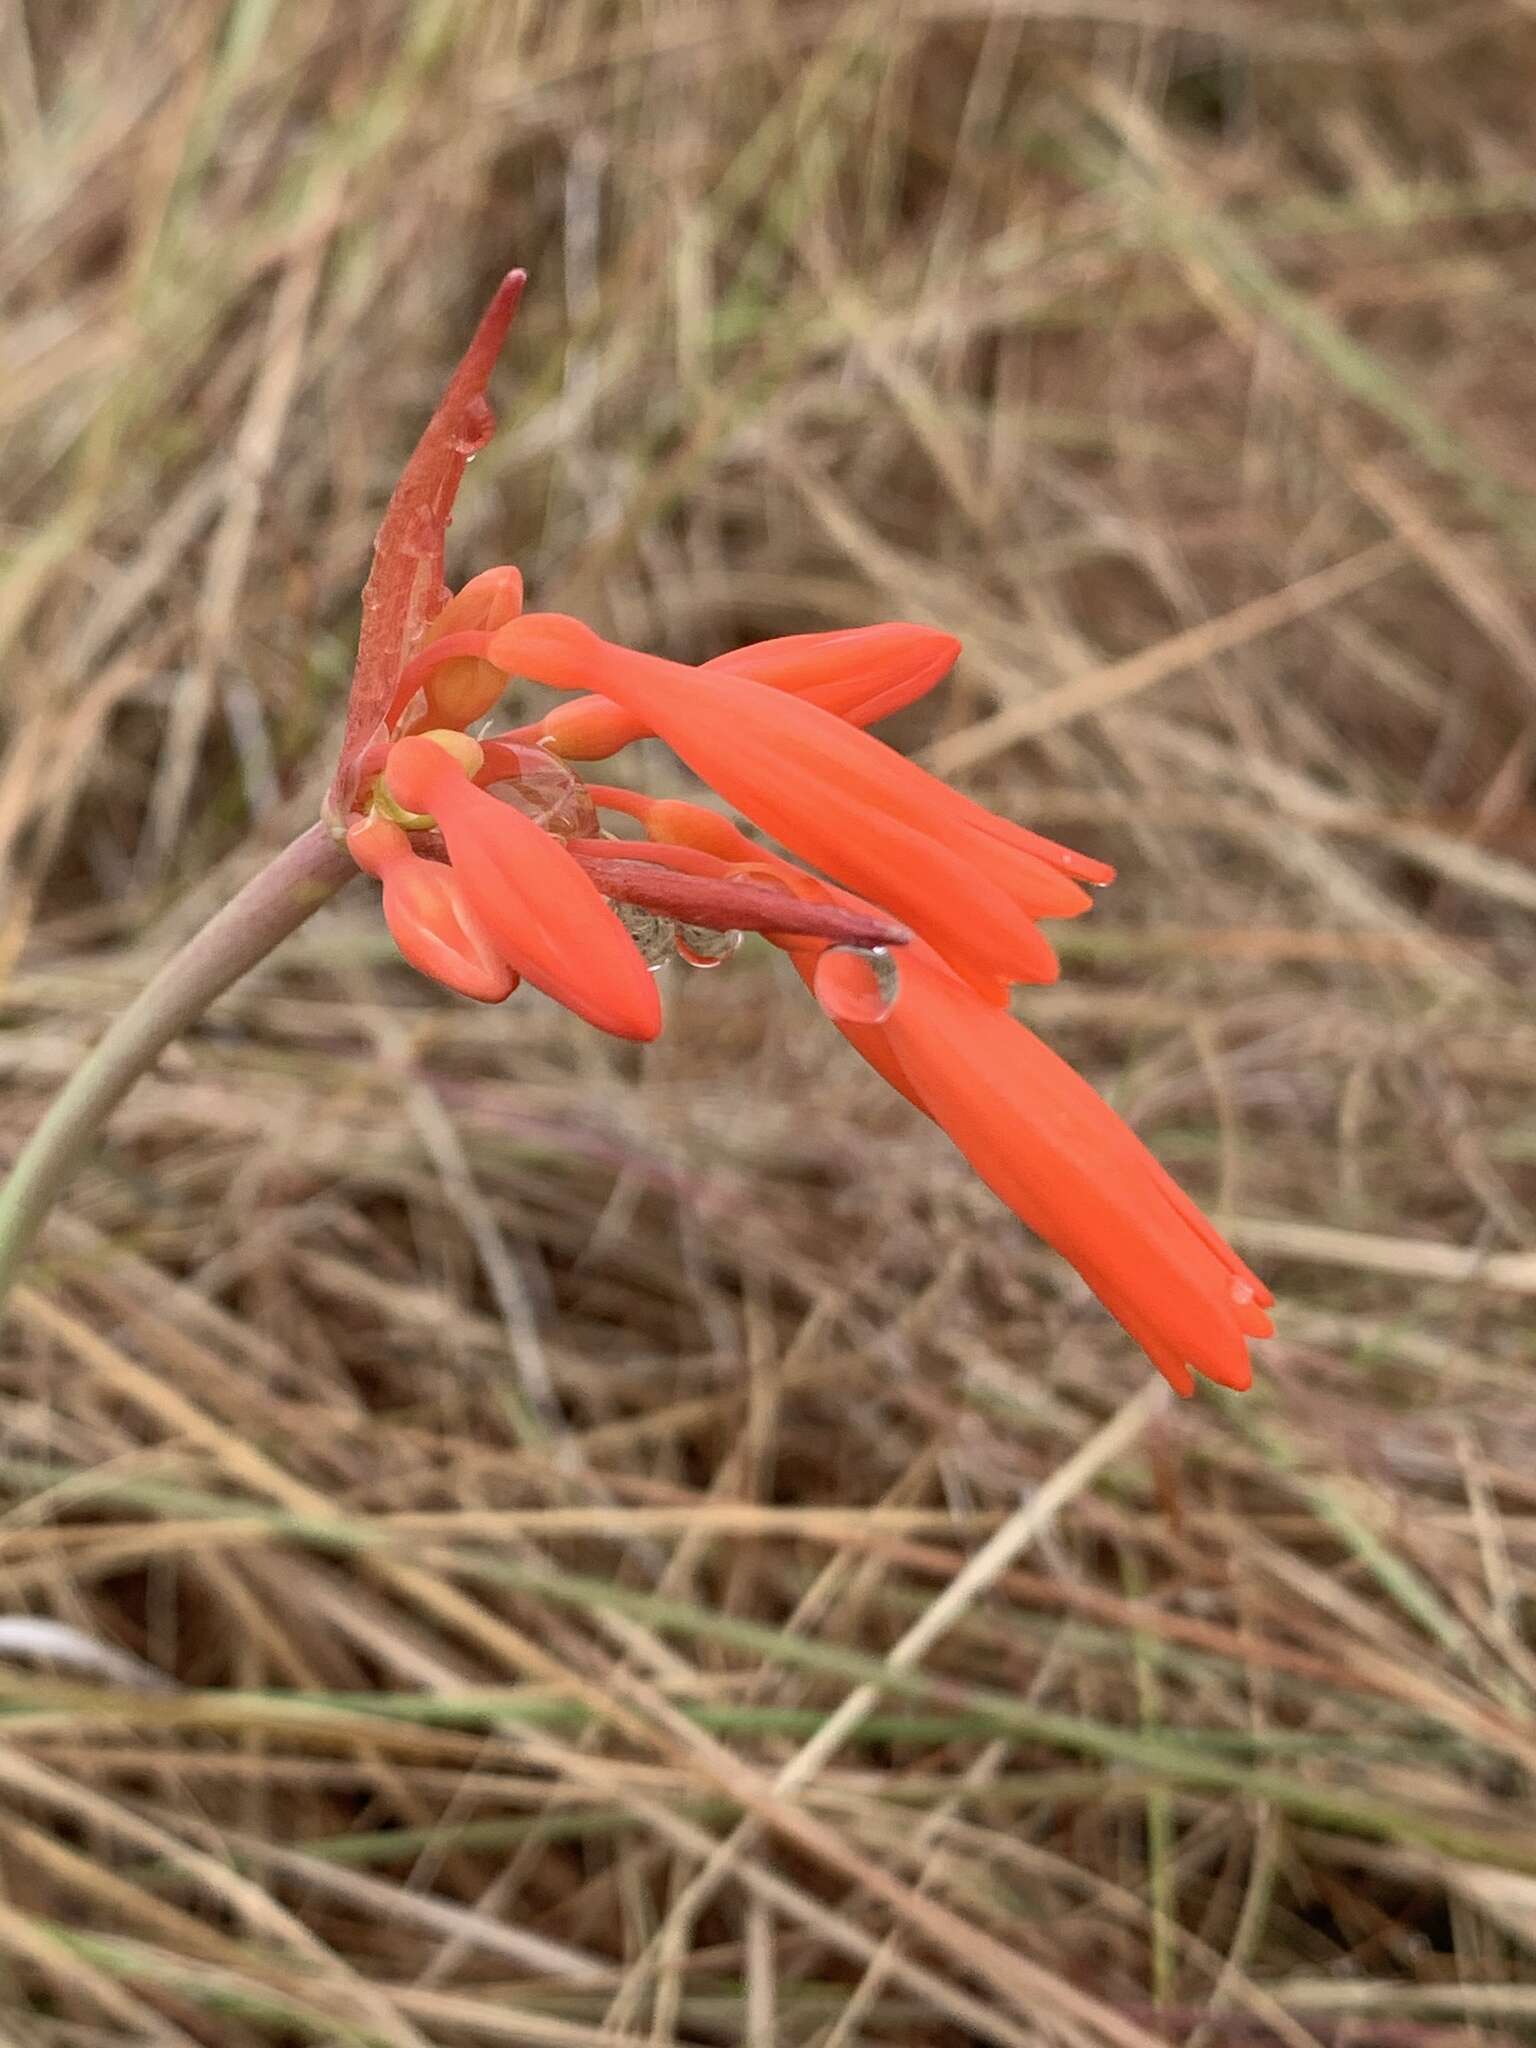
{"x":545,"y":790}
{"x":700,"y":946}
{"x":653,"y":936}
{"x":475,"y":429}
{"x":1242,"y":1293}
{"x":857,"y":984}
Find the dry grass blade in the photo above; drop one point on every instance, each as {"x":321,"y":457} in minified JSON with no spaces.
{"x":1095,"y":692}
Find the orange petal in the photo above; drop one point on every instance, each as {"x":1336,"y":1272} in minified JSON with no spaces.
{"x":860,"y":673}
{"x":676,"y":823}
{"x":491,"y":599}
{"x":459,"y":692}
{"x":589,"y":729}
{"x":539,"y":910}
{"x":427,"y":916}
{"x":1066,"y":860}
{"x":436,"y":931}
{"x":375,"y":842}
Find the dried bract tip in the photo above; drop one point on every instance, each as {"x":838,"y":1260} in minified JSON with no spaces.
{"x":405,"y":586}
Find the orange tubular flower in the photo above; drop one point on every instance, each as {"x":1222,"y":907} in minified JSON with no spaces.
{"x":1061,"y":1159}
{"x":527,"y":894}
{"x":426,"y":913}
{"x":495,"y":869}
{"x":862,"y":673}
{"x":459,"y":692}
{"x":832,"y":794}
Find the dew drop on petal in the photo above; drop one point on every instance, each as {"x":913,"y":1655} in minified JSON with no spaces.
{"x":699,"y":946}
{"x":1242,"y":1293}
{"x":857,"y":984}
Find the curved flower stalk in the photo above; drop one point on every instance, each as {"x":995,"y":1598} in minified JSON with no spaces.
{"x":910,"y":911}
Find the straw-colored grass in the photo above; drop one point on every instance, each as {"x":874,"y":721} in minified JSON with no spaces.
{"x":510,"y":1540}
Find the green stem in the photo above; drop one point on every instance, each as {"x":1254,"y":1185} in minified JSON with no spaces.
{"x":270,"y":906}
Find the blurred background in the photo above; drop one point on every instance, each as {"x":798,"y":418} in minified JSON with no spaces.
{"x":508,"y":1538}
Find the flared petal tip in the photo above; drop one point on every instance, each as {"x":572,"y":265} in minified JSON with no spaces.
{"x":1221,"y":1354}
{"x":1180,"y":1375}
{"x":1175,"y":1372}
{"x":1239,"y":1377}
{"x":1098,"y":874}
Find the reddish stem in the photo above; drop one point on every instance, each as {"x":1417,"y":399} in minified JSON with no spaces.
{"x":726,"y":904}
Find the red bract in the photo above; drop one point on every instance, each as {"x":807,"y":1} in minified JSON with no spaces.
{"x":405,"y":588}
{"x":495,"y":869}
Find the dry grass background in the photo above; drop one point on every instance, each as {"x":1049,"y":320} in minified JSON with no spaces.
{"x":509,"y":1541}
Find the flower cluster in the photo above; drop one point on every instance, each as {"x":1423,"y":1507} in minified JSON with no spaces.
{"x":909,"y":911}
